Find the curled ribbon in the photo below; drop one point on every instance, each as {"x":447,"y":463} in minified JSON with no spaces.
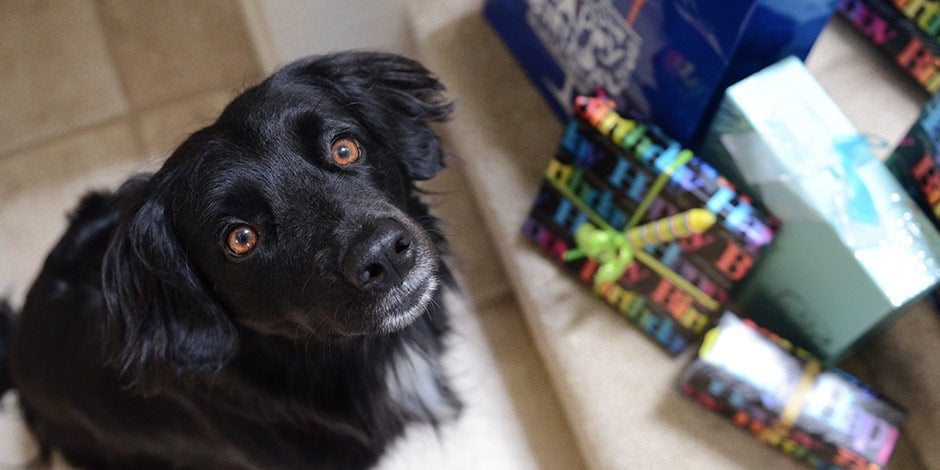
{"x":614,"y":250}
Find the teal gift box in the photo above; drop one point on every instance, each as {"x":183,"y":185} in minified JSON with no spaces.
{"x":853,"y":250}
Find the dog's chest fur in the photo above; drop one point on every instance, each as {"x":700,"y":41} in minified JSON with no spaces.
{"x":415,"y":385}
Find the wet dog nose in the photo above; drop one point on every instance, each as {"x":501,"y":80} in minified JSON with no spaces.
{"x":382,"y":259}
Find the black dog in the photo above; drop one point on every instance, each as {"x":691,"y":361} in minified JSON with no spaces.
{"x":270,"y":298}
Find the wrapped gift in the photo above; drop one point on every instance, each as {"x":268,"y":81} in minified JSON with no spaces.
{"x":788,"y":399}
{"x":653,"y":230}
{"x":670,"y":60}
{"x":853,"y":250}
{"x":916,"y":161}
{"x":906,"y":34}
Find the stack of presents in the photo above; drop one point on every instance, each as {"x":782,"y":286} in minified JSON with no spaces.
{"x":709,"y":190}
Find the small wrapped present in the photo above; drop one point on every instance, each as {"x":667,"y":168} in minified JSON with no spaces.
{"x":788,"y":399}
{"x":853,"y":250}
{"x":916,"y":161}
{"x":654,"y":231}
{"x":906,"y":34}
{"x":670,"y":60}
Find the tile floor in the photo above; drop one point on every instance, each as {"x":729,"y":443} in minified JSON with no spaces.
{"x":94,"y":91}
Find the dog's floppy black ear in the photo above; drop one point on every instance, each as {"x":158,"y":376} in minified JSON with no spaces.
{"x":162,"y":320}
{"x":397,"y":95}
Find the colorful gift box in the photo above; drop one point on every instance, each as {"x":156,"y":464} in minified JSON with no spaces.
{"x":853,"y":250}
{"x":670,"y":60}
{"x":903,"y":30}
{"x":654,"y":231}
{"x":916,"y":161}
{"x":783,"y":395}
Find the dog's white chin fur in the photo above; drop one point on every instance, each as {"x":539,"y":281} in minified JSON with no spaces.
{"x":422,"y":285}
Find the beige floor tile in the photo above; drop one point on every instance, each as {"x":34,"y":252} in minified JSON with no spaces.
{"x":170,"y":50}
{"x":38,"y":188}
{"x":17,"y":447}
{"x":473,"y":253}
{"x":522,"y":380}
{"x":529,"y":386}
{"x":55,"y":71}
{"x":164,"y":128}
{"x":67,"y":158}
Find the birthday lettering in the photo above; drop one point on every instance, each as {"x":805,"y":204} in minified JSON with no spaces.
{"x":696,"y":241}
{"x":607,"y":210}
{"x":546,"y":240}
{"x":928,"y":179}
{"x":921,"y":63}
{"x":694,"y":320}
{"x":846,"y":458}
{"x":559,"y":172}
{"x":635,"y":274}
{"x":588,"y":270}
{"x":536,"y":232}
{"x":639,"y":186}
{"x":923,"y":13}
{"x":673,"y":299}
{"x":660,"y":209}
{"x":704,"y":283}
{"x":619,"y":298}
{"x":915,"y":56}
{"x":566,"y":215}
{"x":868,"y":22}
{"x":558,"y":248}
{"x":734,"y":262}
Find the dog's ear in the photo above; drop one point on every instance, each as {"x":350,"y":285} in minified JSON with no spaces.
{"x":397,"y":95}
{"x":162,"y":319}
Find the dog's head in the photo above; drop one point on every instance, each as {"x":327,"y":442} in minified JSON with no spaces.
{"x":291,"y":215}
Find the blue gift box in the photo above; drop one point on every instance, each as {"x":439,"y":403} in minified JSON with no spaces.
{"x":853,"y":249}
{"x":670,"y":60}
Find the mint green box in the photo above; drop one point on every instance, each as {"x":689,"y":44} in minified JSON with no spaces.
{"x":853,"y":250}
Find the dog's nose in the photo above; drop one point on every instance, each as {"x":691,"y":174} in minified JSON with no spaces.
{"x":382,"y":259}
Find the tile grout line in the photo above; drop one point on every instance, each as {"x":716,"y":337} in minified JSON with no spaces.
{"x":134,"y":113}
{"x":129,"y":116}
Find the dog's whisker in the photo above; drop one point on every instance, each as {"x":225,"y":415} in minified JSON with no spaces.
{"x":303,"y":289}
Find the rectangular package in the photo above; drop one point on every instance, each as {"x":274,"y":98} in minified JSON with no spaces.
{"x":671,"y":286}
{"x":916,"y":161}
{"x":853,"y":249}
{"x":669,"y":60}
{"x":901,"y":34}
{"x":784,"y":396}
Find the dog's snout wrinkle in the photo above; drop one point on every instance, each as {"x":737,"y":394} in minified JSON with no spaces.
{"x":382,"y":259}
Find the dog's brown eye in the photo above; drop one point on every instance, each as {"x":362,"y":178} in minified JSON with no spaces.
{"x":345,"y":152}
{"x":241,"y":240}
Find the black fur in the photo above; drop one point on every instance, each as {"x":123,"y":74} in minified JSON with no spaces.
{"x":143,"y":343}
{"x":6,"y":340}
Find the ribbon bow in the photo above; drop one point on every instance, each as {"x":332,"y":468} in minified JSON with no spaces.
{"x":614,"y":250}
{"x":858,"y":205}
